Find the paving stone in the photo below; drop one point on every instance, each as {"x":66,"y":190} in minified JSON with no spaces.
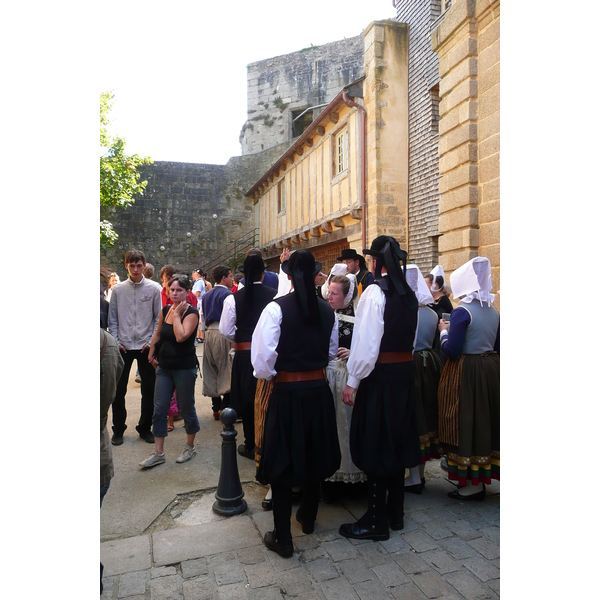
{"x":201,"y":588}
{"x":463,"y":530}
{"x":420,"y":541}
{"x":194,"y":568}
{"x":487,"y":511}
{"x":329,"y":536}
{"x":436,"y":530}
{"x":340,"y":549}
{"x":133,"y":584}
{"x":279,"y":564}
{"x":373,"y":554}
{"x":442,"y":562}
{"x":322,"y":569}
{"x":432,"y":584}
{"x":196,"y":541}
{"x":314,"y":595}
{"x":235,"y":591}
{"x":265,"y":593}
{"x":396,"y":543}
{"x":221,"y":557}
{"x":420,"y":517}
{"x":338,"y":589}
{"x":475,"y":520}
{"x":252,"y":555}
{"x":295,"y":582}
{"x":491,"y":533}
{"x":494,"y":585}
{"x":411,"y":562}
{"x":162,"y":571}
{"x":229,"y":572}
{"x":457,"y":548}
{"x":312,"y":554}
{"x":487,"y":548}
{"x":410,"y":525}
{"x":126,"y":555}
{"x":371,"y":590}
{"x":307,"y":542}
{"x":260,"y":575}
{"x":468,"y":585}
{"x":390,"y":574}
{"x":167,"y":588}
{"x":482,"y":568}
{"x":407,"y":592}
{"x":355,"y":570}
{"x":108,"y":583}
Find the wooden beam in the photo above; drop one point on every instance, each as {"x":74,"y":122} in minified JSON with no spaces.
{"x":356,"y":213}
{"x":295,"y":239}
{"x":327,"y":227}
{"x":299,"y":151}
{"x":309,"y":142}
{"x":315,"y":231}
{"x":339,"y":223}
{"x":334,"y":117}
{"x":303,"y":236}
{"x":320,"y":130}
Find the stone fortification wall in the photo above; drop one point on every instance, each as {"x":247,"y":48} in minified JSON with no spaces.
{"x":423,"y":100}
{"x":279,"y":86}
{"x":181,"y":198}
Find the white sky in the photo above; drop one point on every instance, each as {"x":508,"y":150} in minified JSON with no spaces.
{"x":178,"y":69}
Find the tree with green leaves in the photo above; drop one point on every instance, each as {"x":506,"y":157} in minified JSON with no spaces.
{"x":119,"y":177}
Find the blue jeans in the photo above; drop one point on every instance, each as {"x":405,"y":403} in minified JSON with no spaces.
{"x":184,"y":381}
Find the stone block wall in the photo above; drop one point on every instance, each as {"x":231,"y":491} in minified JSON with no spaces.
{"x":423,"y":100}
{"x":181,"y":198}
{"x":468,"y":46}
{"x":292,"y":82}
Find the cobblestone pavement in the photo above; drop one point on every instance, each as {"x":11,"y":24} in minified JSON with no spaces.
{"x":448,"y":549}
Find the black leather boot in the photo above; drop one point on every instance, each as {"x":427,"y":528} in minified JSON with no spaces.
{"x":373,"y":525}
{"x":395,"y":502}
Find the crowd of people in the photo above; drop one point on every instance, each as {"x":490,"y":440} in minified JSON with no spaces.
{"x":360,"y":375}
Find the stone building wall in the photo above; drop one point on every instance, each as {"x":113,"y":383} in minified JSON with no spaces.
{"x":468,"y":46}
{"x":181,"y":198}
{"x":292,"y":82}
{"x":423,"y":102}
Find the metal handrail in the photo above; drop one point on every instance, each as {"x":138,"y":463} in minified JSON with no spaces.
{"x":232,"y":250}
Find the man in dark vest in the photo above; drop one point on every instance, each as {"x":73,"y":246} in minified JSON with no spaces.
{"x":357,"y":265}
{"x":216,"y":362}
{"x":383,"y":432}
{"x":241,"y":312}
{"x":294,"y":339}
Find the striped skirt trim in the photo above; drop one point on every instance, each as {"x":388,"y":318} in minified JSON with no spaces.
{"x":449,"y":400}
{"x":261,"y":402}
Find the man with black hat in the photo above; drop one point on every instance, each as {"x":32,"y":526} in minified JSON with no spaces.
{"x":294,"y":340}
{"x":383,"y":433}
{"x":241,"y":312}
{"x":356,"y":264}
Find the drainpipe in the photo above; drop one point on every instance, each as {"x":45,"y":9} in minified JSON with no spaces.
{"x":363,"y":161}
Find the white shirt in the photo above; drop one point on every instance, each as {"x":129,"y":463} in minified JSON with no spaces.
{"x":265,"y":339}
{"x":367,"y":334}
{"x":229,"y":317}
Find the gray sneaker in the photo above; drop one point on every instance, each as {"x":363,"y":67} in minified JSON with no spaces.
{"x":187,"y":454}
{"x":154,"y":459}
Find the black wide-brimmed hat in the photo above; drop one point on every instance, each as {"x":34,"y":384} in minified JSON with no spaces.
{"x":388,"y":253}
{"x":253,"y":262}
{"x":349,"y":253}
{"x":302,"y":260}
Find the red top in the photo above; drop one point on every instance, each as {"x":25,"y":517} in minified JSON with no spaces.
{"x":191,"y":298}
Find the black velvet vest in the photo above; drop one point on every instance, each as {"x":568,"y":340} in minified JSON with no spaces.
{"x":303,"y":346}
{"x":400,"y":317}
{"x":246,"y":318}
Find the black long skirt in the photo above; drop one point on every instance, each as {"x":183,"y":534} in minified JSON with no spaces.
{"x":383,"y":433}
{"x":428,"y":369}
{"x":300,"y":435}
{"x":243,"y":384}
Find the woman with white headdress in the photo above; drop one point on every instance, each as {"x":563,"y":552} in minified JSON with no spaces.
{"x":436,"y":281}
{"x":428,"y":369}
{"x":469,"y":390}
{"x":342,"y":290}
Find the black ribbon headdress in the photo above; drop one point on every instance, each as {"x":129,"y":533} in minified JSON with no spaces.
{"x":388,"y":253}
{"x":252,"y":269}
{"x":302,"y":268}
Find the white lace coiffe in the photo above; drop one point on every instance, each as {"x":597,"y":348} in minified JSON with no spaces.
{"x":437,"y":270}
{"x":415,"y":279}
{"x":473,"y":280}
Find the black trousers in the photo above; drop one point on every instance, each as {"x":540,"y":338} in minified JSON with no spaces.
{"x":148,"y":375}
{"x":219,"y":403}
{"x":282,"y":507}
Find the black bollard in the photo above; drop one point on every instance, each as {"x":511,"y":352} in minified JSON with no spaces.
{"x":229,"y":494}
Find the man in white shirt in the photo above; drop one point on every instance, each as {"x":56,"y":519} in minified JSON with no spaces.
{"x":198,"y":289}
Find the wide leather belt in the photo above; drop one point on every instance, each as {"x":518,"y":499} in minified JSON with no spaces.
{"x":293,"y":376}
{"x":394,"y":357}
{"x":242,"y":346}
